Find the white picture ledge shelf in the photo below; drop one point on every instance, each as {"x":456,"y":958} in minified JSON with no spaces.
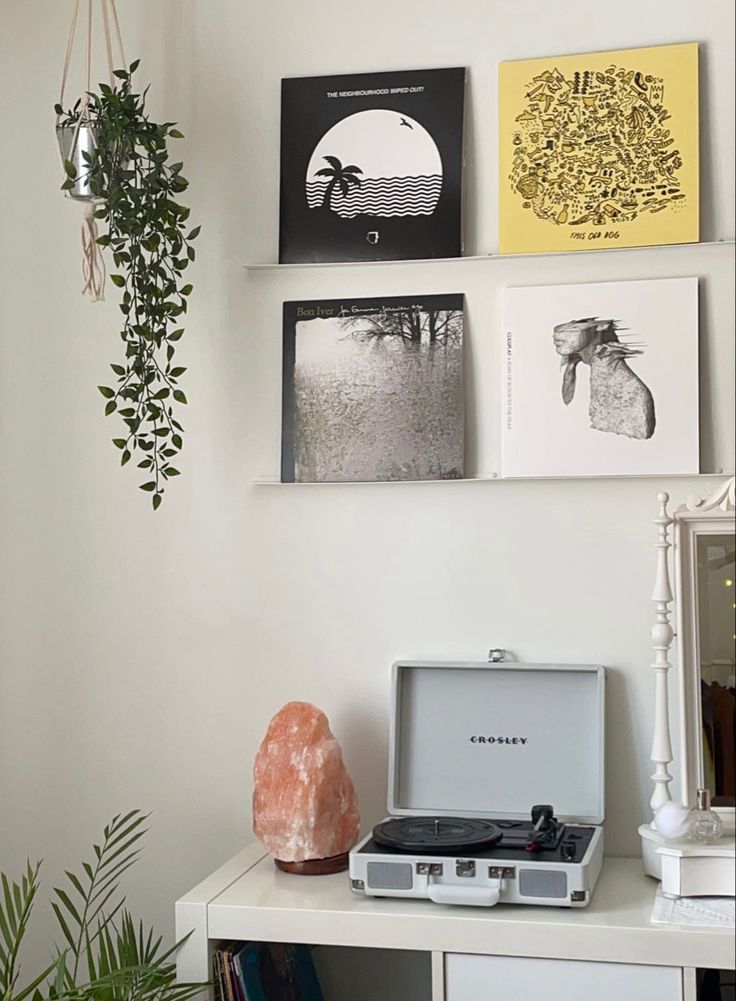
{"x":265,"y":481}
{"x":487,"y":258}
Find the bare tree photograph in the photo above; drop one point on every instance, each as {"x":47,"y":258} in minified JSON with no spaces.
{"x":373,"y":389}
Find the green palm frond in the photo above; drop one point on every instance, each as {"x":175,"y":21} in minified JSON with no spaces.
{"x":124,"y":962}
{"x":131,"y":965}
{"x":87,"y":905}
{"x":16,"y":903}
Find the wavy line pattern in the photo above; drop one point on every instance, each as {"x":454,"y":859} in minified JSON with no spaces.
{"x":381,"y":196}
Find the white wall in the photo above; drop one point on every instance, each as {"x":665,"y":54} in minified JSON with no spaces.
{"x":142,"y":655}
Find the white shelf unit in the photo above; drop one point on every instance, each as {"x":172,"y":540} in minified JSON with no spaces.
{"x":610,"y":945}
{"x":492,"y":258}
{"x":266,"y":481}
{"x":481,"y":278}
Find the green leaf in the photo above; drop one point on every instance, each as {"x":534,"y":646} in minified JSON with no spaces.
{"x":176,"y":372}
{"x":176,"y":134}
{"x":179,"y":396}
{"x":176,"y":440}
{"x":70,"y":908}
{"x":170,"y":471}
{"x":119,"y":442}
{"x":110,"y":408}
{"x":148,"y":487}
{"x":175,"y":335}
{"x":63,"y":925}
{"x":125,"y":457}
{"x":194,"y":233}
{"x":118,"y":369}
{"x":186,"y":289}
{"x":117,"y":280}
{"x":71,"y":170}
{"x":156,"y":501}
{"x":106,"y":392}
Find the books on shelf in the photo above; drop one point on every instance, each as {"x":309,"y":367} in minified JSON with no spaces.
{"x":371,"y":166}
{"x":373,"y":389}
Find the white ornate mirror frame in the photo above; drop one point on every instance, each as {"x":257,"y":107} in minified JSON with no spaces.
{"x":684,"y":868}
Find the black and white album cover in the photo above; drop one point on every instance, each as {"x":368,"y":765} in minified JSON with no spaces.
{"x":371,"y":166}
{"x":601,"y":379}
{"x":373,"y":389}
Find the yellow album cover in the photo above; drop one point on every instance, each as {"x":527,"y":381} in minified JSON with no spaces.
{"x":599,"y":150}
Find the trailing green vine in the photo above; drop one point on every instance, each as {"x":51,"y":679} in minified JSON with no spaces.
{"x":137,"y":191}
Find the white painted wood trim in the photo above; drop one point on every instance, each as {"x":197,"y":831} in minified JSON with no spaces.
{"x":191,"y":915}
{"x":662,"y":636}
{"x":438,"y":976}
{"x":712,"y":515}
{"x":689,"y":984}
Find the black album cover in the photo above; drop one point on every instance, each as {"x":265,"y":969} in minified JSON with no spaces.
{"x":371,"y":166}
{"x":373,"y":389}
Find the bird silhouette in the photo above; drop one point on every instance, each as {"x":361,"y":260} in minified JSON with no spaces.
{"x":404,"y":122}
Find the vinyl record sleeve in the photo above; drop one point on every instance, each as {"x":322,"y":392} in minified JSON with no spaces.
{"x":599,"y":150}
{"x":373,"y":389}
{"x":601,"y":379}
{"x":371,"y":166}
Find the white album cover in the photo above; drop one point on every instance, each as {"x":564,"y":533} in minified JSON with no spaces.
{"x":601,"y":379}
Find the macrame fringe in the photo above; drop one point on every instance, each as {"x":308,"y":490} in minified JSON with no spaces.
{"x":93,"y":263}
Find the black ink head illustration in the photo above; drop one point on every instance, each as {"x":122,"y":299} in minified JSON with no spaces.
{"x":593,"y":148}
{"x":620,"y":402}
{"x":398,"y":162}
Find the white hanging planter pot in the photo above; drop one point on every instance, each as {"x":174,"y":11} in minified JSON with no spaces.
{"x":75,"y":140}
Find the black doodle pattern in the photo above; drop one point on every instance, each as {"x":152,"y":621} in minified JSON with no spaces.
{"x":593,"y":149}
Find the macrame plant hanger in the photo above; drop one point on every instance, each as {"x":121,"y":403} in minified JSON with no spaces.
{"x":93,"y":265}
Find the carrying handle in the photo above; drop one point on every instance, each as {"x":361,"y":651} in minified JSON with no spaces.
{"x":476,"y":896}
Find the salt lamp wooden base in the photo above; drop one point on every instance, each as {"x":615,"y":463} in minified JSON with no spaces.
{"x":315,"y":867}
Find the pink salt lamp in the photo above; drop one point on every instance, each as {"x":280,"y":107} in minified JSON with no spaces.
{"x":305,"y":811}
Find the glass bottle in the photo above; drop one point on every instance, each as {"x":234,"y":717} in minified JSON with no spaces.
{"x":706,"y":826}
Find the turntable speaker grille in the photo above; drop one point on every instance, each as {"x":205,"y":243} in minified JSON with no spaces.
{"x":390,"y":876}
{"x":542,"y":883}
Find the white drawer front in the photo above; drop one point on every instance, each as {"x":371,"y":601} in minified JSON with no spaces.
{"x":512,"y":978}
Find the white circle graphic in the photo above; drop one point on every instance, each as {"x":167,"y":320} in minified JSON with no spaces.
{"x":376,"y":163}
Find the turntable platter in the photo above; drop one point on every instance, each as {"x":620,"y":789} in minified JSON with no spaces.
{"x":438,"y":834}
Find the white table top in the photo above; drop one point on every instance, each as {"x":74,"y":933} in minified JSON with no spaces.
{"x":250,"y":899}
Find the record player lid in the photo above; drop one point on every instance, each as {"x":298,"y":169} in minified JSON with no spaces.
{"x":491,"y":740}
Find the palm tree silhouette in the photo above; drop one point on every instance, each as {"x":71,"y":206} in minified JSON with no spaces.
{"x":340,"y":176}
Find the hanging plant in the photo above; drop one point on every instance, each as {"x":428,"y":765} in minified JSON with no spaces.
{"x":116,"y":157}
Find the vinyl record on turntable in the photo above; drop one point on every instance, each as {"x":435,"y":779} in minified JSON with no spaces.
{"x":447,"y":834}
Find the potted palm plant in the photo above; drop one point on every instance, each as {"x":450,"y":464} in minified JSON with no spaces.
{"x":117,"y":159}
{"x":103,"y":954}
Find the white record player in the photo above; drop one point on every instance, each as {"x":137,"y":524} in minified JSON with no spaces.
{"x":496,"y":791}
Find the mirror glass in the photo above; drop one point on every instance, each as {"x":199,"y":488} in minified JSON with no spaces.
{"x":716,"y":591}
